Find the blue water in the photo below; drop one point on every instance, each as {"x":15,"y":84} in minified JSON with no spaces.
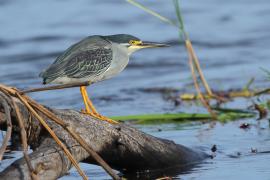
{"x":231,"y":38}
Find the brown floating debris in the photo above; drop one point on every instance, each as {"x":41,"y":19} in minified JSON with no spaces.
{"x":244,"y":126}
{"x":230,"y":94}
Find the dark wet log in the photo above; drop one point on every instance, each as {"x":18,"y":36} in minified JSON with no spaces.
{"x":123,"y":147}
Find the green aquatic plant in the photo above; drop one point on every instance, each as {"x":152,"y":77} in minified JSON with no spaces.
{"x":193,"y":59}
{"x":223,"y":115}
{"x":162,"y":118}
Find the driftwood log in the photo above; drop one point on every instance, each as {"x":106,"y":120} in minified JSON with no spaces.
{"x":124,"y":148}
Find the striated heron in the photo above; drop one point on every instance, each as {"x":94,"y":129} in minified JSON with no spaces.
{"x":94,"y":59}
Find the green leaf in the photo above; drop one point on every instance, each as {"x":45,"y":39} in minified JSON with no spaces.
{"x":162,"y":118}
{"x":224,"y":115}
{"x":162,"y":18}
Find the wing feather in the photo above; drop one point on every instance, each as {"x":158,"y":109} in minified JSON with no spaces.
{"x":89,"y":63}
{"x":89,"y":57}
{"x":84,"y":64}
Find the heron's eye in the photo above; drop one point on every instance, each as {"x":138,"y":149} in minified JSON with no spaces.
{"x":135,"y":42}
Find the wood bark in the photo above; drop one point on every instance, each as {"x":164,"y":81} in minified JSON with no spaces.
{"x":124,"y":148}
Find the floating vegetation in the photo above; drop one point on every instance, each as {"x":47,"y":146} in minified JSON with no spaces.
{"x":198,"y":76}
{"x":223,"y":115}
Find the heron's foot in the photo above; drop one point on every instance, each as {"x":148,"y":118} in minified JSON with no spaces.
{"x":99,"y":116}
{"x":104,"y":118}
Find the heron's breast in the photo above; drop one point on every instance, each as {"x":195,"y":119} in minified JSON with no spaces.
{"x":119,"y":62}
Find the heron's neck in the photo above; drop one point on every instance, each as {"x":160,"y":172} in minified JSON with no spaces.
{"x":132,"y":49}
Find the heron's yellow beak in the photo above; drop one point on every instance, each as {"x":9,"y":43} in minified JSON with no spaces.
{"x":137,"y":45}
{"x":146,"y":44}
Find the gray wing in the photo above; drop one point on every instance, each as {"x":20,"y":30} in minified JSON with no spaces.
{"x":89,"y":63}
{"x":81,"y":65}
{"x":89,"y":43}
{"x":90,"y":56}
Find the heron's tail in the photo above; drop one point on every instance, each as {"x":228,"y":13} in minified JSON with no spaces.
{"x":43,"y":75}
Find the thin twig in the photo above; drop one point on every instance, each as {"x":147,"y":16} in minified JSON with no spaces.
{"x":9,"y":128}
{"x":71,"y":85}
{"x":54,"y":136}
{"x":33,"y":174}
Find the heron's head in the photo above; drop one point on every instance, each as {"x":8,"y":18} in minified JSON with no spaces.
{"x":133,"y":43}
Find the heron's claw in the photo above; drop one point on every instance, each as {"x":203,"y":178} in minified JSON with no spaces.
{"x":99,"y":116}
{"x":104,"y":118}
{"x":90,"y":109}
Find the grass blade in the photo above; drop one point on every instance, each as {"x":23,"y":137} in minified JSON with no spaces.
{"x":162,"y":18}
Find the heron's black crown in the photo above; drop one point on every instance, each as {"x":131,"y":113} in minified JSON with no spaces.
{"x":121,"y":38}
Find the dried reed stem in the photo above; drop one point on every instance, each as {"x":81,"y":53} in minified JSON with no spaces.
{"x":9,"y":128}
{"x":54,"y":136}
{"x":198,"y":68}
{"x":197,"y":87}
{"x":33,"y":174}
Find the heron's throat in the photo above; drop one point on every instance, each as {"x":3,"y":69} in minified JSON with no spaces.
{"x":132,"y":49}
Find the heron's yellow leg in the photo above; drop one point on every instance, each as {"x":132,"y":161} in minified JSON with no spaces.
{"x":90,"y":108}
{"x":89,"y":102}
{"x":83,"y":90}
